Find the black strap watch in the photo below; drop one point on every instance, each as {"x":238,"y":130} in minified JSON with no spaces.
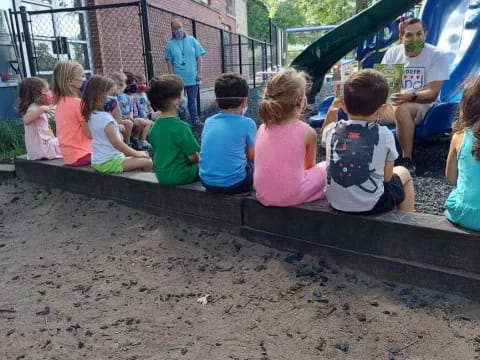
{"x":414,"y":97}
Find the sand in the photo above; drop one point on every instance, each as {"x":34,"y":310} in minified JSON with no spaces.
{"x":90,"y":279}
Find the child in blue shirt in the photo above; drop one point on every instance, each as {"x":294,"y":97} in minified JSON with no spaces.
{"x":228,"y":138}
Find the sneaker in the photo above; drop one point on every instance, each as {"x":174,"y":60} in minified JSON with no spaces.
{"x":197,"y":123}
{"x":409,"y":164}
{"x":135,"y":143}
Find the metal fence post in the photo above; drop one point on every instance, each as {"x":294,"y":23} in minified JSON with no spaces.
{"x":253,"y":62}
{"x":194,"y":33}
{"x":264,"y":57}
{"x":222,"y":49}
{"x":16,"y":32}
{"x":28,"y":40}
{"x":146,"y":39}
{"x":240,"y":53}
{"x":271,"y":42}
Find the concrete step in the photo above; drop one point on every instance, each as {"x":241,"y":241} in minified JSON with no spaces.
{"x":7,"y":171}
{"x":419,"y":249}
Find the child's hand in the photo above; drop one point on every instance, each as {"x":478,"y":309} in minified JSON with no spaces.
{"x":141,"y":154}
{"x":49,"y":110}
{"x":337,"y":102}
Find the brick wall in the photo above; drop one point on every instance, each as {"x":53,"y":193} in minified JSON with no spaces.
{"x":116,"y":34}
{"x":116,"y":38}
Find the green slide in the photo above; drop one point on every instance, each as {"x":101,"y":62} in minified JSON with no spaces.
{"x":321,"y":55}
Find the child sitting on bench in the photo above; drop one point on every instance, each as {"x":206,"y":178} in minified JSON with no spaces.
{"x":463,"y":163}
{"x":228,"y":139}
{"x":175,"y":149}
{"x":361,"y":177}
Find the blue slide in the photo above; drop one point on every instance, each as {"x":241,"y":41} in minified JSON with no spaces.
{"x":454,"y":27}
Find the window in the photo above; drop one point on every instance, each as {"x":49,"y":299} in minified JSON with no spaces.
{"x":7,"y":55}
{"x":231,"y":7}
{"x":206,"y":2}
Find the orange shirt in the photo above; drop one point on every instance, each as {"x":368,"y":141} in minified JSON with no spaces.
{"x":74,"y":144}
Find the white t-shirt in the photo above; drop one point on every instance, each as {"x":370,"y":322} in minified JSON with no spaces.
{"x":430,"y":65}
{"x":356,"y":155}
{"x":102,"y":148}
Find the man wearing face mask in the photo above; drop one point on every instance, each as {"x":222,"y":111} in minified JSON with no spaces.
{"x":183,"y":54}
{"x":425,"y":69}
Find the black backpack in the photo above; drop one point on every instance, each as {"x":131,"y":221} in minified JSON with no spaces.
{"x":351,"y":154}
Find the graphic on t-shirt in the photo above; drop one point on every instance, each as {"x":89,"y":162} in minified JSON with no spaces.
{"x":413,"y":78}
{"x":352,"y":148}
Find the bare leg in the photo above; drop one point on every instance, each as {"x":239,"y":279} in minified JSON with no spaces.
{"x":128,"y":129}
{"x":405,"y":121}
{"x":131,"y":163}
{"x":146,"y":129}
{"x":143,"y":126}
{"x":408,"y":203}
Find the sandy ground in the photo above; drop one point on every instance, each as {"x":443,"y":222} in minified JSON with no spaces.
{"x":88,"y":279}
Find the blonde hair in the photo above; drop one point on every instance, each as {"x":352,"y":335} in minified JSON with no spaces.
{"x":119,"y":78}
{"x":95,"y":95}
{"x":282,"y":95}
{"x":64,"y":71}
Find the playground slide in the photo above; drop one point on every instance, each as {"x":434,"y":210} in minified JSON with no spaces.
{"x":453,"y":26}
{"x":325,"y":52}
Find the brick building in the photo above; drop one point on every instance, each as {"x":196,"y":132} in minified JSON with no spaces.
{"x":111,"y":37}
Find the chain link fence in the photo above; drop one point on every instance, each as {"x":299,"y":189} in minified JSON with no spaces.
{"x":110,"y":37}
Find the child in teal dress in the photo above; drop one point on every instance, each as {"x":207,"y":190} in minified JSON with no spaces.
{"x":463,"y":163}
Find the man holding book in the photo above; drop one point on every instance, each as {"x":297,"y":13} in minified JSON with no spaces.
{"x":425,"y":69}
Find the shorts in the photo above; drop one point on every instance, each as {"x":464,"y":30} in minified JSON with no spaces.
{"x":112,"y":166}
{"x":393,"y":195}
{"x":422,"y":109}
{"x":243,"y":186}
{"x":84,"y":160}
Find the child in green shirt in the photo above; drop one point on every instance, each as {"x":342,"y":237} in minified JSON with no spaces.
{"x":175,"y":149}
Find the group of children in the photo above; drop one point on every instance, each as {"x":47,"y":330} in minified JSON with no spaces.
{"x":94,"y":124}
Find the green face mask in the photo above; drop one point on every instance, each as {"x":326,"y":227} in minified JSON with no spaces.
{"x":414,"y":46}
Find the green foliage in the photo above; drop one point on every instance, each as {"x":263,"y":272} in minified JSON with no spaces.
{"x":12,"y":139}
{"x":287,"y":15}
{"x":257,"y":15}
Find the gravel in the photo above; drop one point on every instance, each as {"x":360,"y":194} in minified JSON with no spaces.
{"x":430,"y":154}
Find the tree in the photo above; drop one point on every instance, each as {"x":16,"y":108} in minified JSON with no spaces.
{"x":257,"y":15}
{"x":361,"y":5}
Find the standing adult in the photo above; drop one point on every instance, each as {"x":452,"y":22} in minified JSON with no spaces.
{"x":183,"y":54}
{"x":425,"y":69}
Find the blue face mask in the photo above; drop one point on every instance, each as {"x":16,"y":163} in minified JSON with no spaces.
{"x":84,"y":85}
{"x":132,"y":88}
{"x":183,"y":105}
{"x":178,"y":32}
{"x":110,"y":104}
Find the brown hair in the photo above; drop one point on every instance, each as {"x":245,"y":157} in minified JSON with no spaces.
{"x":364,"y":92}
{"x":64,"y":71}
{"x":163,"y":89}
{"x":130,"y":77}
{"x":140,"y":78}
{"x":233,"y":86}
{"x":119,"y":78}
{"x":469,"y":116}
{"x":411,"y":21}
{"x":95,"y":94}
{"x":282,"y":95}
{"x":30,"y":90}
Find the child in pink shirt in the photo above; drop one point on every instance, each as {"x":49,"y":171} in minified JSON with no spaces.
{"x":72,"y":129}
{"x":286,"y":172}
{"x":35,"y":107}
